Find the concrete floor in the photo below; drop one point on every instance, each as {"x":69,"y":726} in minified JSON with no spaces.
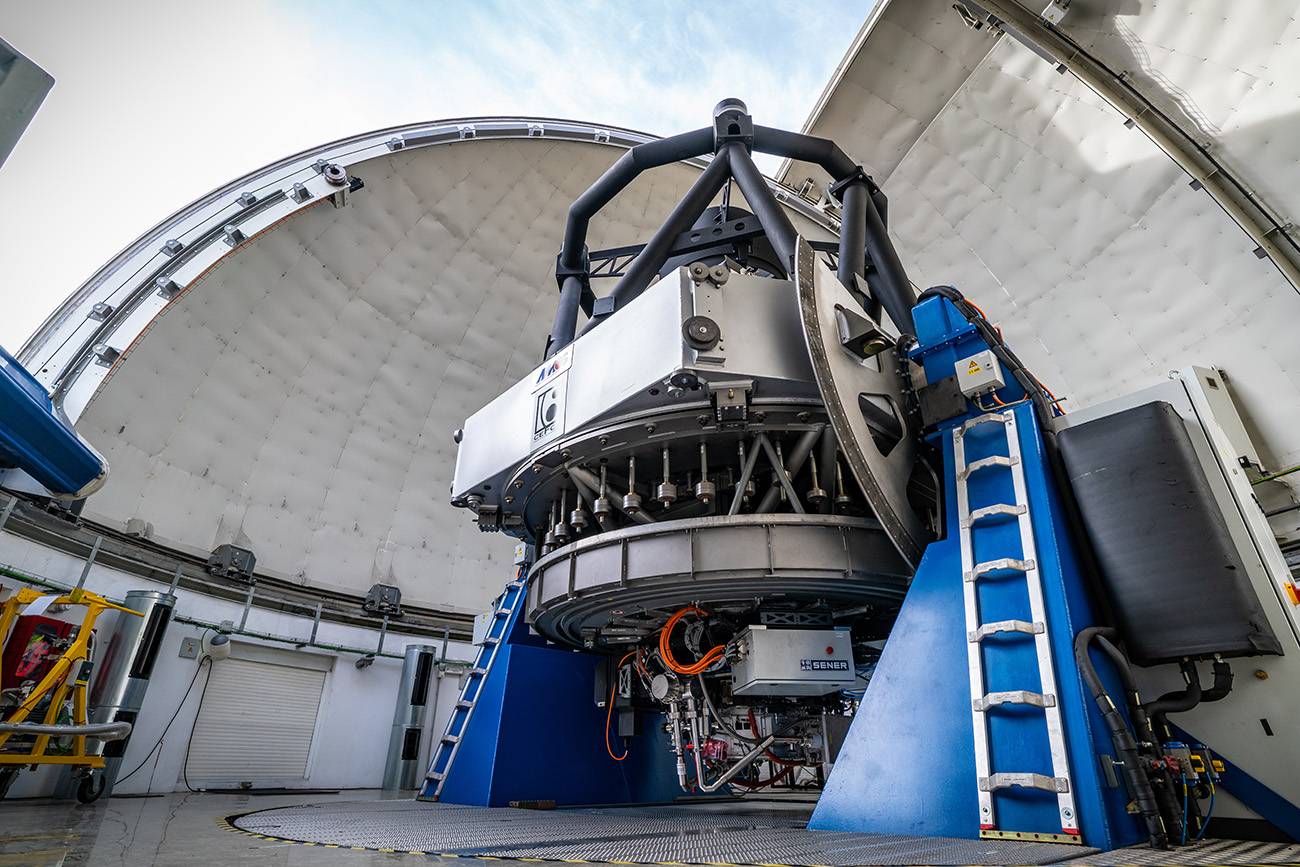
{"x":177,"y":829}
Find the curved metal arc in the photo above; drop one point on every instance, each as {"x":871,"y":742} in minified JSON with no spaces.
{"x":63,"y":342}
{"x":841,"y":378}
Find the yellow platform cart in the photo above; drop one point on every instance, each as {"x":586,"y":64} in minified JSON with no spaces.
{"x":27,"y":743}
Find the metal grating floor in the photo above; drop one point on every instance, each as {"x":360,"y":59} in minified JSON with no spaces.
{"x":719,"y":833}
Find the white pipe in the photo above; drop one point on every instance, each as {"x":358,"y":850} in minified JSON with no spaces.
{"x":113,"y":731}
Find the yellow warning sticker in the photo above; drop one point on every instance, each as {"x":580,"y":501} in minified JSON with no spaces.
{"x":973,"y":367}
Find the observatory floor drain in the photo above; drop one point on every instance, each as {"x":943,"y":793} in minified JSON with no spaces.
{"x":726,"y":833}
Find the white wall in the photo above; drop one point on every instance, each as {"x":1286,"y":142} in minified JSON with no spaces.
{"x":356,"y":710}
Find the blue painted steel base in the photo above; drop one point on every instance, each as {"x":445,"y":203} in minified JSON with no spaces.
{"x":907,"y":766}
{"x":35,"y":438}
{"x":537,"y":734}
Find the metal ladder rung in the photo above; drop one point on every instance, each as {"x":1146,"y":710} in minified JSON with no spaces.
{"x":466,"y":705}
{"x":993,"y":782}
{"x":1002,"y":626}
{"x":1015,"y":696}
{"x":997,"y":510}
{"x":514,"y":585}
{"x":987,"y":463}
{"x":503,"y":612}
{"x":436,"y":776}
{"x":450,"y":739}
{"x":991,"y":418}
{"x":489,"y":640}
{"x":1003,"y":564}
{"x":477,"y":672}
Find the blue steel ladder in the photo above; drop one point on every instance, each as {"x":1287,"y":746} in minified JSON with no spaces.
{"x":1022,"y":563}
{"x":511,"y":599}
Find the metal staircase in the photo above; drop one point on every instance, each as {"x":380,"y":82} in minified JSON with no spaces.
{"x":504,"y":610}
{"x":1018,"y":565}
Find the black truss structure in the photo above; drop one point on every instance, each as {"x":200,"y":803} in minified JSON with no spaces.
{"x":864,"y":255}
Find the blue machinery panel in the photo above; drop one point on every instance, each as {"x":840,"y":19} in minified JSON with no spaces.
{"x":37,"y":440}
{"x":536,"y":734}
{"x":908,"y":765}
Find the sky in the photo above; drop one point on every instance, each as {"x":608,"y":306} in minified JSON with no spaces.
{"x":156,"y":103}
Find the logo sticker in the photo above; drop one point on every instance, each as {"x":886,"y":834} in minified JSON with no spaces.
{"x":549,"y":386}
{"x":823,"y":665}
{"x":548,"y":410}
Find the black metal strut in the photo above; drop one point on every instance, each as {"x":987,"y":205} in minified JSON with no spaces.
{"x":863,"y":233}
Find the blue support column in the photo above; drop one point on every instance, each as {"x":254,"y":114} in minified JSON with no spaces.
{"x":908,"y":766}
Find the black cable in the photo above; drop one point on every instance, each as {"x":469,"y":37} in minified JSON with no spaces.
{"x":184,"y":698}
{"x":185,"y":768}
{"x":1177,"y":701}
{"x":708,"y":701}
{"x":1126,"y":746}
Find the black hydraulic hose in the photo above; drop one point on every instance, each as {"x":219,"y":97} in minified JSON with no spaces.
{"x":1222,"y":682}
{"x":644,"y":156}
{"x":1175,"y":702}
{"x":1126,"y":747}
{"x":1141,"y":723}
{"x":805,"y":148}
{"x":776,"y":225}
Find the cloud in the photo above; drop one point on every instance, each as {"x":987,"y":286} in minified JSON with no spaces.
{"x":156,"y":104}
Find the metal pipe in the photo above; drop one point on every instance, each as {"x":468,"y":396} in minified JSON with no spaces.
{"x":805,"y":148}
{"x":853,"y":242}
{"x":90,"y":561}
{"x":588,"y":478}
{"x":743,"y":762}
{"x":565,"y":325}
{"x":745,"y":472}
{"x":112,"y":731}
{"x":248,"y":603}
{"x":10,"y":572}
{"x":829,"y":448}
{"x":892,"y":289}
{"x":776,"y":225}
{"x":798,"y":456}
{"x":646,"y":265}
{"x":176,"y":580}
{"x":650,"y":155}
{"x":780,"y":473}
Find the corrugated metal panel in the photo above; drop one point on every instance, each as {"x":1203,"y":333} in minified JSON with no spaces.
{"x":256,"y":723}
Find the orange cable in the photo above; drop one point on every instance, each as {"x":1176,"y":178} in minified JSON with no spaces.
{"x":667,"y":655}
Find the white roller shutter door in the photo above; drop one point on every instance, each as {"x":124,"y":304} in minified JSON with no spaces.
{"x":256,"y":724}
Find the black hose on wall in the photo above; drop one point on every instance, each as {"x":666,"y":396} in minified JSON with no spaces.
{"x":1127,"y":749}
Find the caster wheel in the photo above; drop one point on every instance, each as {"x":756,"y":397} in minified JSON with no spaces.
{"x":90,"y":788}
